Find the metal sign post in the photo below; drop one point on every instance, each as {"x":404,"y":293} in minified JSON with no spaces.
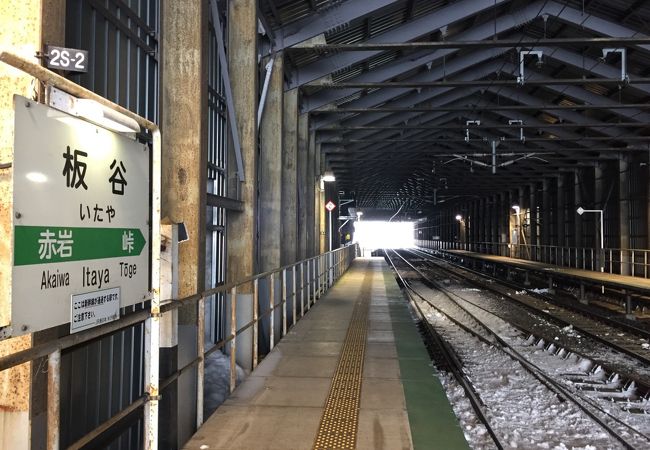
{"x":330,"y":207}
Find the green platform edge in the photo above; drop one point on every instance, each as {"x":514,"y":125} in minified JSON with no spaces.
{"x":431,"y":418}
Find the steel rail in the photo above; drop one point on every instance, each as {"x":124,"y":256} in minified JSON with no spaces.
{"x":605,"y":319}
{"x":451,"y":359}
{"x":631,"y":375}
{"x":535,"y":371}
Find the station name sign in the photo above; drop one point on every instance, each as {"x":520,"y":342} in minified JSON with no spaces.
{"x":81,"y":221}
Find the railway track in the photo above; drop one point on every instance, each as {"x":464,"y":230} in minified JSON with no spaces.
{"x":633,"y":342}
{"x":582,"y":386}
{"x":623,"y":336}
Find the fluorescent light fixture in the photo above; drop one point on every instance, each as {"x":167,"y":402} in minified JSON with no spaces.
{"x":36,"y":177}
{"x":328,"y":176}
{"x":106,"y":117}
{"x":92,"y":111}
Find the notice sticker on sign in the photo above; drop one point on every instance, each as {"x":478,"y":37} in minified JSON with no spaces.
{"x":94,"y":308}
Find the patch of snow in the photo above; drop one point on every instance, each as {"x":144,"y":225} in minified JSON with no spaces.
{"x":217,"y":381}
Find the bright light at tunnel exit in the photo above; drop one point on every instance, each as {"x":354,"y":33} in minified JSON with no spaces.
{"x":372,"y":235}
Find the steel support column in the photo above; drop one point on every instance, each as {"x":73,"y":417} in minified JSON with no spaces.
{"x":547,"y":208}
{"x":624,"y":212}
{"x":561,"y":212}
{"x":494,"y":220}
{"x":534,"y":220}
{"x":578,"y":219}
{"x":599,"y":203}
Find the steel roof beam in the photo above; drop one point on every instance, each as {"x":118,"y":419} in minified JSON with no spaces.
{"x":570,"y":91}
{"x":414,"y":29}
{"x":408,"y":97}
{"x":450,"y":14}
{"x":323,"y":49}
{"x":478,"y":82}
{"x":413,"y":61}
{"x":469,"y":107}
{"x":325,"y":20}
{"x":582,"y":62}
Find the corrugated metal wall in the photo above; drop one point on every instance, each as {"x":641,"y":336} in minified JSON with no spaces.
{"x":101,"y":378}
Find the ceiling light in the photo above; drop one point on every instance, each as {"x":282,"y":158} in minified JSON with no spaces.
{"x":328,"y":176}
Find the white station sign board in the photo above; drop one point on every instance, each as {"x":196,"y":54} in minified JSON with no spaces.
{"x":81,"y":221}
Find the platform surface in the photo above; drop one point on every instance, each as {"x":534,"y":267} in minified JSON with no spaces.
{"x":281,"y":404}
{"x":589,"y":276}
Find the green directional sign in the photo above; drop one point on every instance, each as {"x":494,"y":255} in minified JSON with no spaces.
{"x":44,"y":244}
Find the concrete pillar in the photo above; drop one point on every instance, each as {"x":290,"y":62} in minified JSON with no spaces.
{"x":24,"y":28}
{"x":184,"y":112}
{"x":311,"y":193}
{"x":624,"y":212}
{"x":242,"y":59}
{"x":322,"y":221}
{"x":303,"y":154}
{"x":184,"y":178}
{"x":319,"y":203}
{"x":183,"y":122}
{"x":243,"y":69}
{"x":270,"y":174}
{"x":289,"y":181}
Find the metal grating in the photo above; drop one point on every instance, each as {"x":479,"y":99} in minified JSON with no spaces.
{"x":339,"y":424}
{"x":101,"y":378}
{"x":215,"y":310}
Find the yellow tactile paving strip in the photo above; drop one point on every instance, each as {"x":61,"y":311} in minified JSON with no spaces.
{"x":339,"y":423}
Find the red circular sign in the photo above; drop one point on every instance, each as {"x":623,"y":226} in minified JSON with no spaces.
{"x":330,"y":206}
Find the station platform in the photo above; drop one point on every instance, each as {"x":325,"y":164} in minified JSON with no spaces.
{"x":630,"y":283}
{"x":352,"y":373}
